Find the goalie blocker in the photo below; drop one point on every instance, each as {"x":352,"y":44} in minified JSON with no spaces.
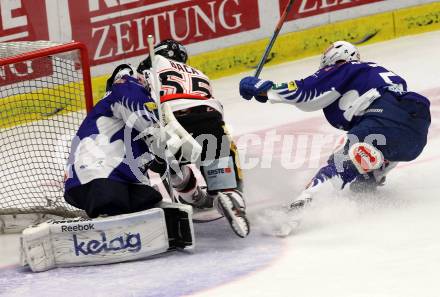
{"x":82,"y":242}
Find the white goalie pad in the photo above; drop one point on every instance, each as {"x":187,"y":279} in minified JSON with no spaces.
{"x":82,"y":242}
{"x":178,"y":137}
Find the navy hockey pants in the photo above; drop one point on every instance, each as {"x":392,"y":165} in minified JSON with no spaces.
{"x":403,"y":121}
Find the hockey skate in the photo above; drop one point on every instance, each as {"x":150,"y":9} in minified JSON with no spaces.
{"x":300,"y":203}
{"x":366,"y":183}
{"x":282,"y":221}
{"x":369,"y":182}
{"x":189,"y":192}
{"x":231,"y":205}
{"x":203,"y":205}
{"x":294,"y":212}
{"x":199,"y":198}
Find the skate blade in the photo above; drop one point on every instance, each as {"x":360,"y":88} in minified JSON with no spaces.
{"x":236,"y":218}
{"x":277,"y":221}
{"x":286,"y":229}
{"x":206,"y":215}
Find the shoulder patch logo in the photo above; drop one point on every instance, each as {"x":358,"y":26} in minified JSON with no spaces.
{"x":291,"y":86}
{"x":151,"y":106}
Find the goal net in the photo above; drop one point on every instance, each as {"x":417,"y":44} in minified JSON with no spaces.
{"x":45,"y":93}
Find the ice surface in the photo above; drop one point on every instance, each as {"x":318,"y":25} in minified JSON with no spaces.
{"x":354,"y":246}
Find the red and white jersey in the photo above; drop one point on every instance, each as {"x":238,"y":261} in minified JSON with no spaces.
{"x":183,"y":86}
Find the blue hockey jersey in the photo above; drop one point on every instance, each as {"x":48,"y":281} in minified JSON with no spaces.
{"x":106,"y":144}
{"x":344,"y":91}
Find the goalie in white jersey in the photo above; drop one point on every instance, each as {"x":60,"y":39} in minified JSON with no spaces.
{"x":187,"y":92}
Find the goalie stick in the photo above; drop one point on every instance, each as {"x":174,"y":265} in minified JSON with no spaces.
{"x":156,"y":88}
{"x":273,"y":38}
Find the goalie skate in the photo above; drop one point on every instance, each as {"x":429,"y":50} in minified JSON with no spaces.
{"x":228,"y":205}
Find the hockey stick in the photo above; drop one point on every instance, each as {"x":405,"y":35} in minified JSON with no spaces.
{"x":156,"y":88}
{"x":274,"y":37}
{"x":155,"y":79}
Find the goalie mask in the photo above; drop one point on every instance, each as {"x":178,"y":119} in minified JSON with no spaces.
{"x":169,"y":49}
{"x":339,"y":51}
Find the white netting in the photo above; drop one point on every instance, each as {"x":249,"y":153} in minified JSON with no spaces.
{"x":42,"y":104}
{"x":9,"y":49}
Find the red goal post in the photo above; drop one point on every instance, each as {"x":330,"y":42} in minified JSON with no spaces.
{"x":45,"y":93}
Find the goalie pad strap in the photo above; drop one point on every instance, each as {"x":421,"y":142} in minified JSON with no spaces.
{"x":179,"y":224}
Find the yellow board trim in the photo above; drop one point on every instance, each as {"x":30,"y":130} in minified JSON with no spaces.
{"x":41,"y":104}
{"x":417,"y":19}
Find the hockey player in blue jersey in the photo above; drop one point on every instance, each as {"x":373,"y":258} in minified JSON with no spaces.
{"x":385,"y":122}
{"x":107,"y":177}
{"x":106,"y":171}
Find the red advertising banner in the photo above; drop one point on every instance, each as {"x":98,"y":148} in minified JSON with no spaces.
{"x":23,"y":20}
{"x":306,"y":8}
{"x":27,"y":70}
{"x":114,"y":30}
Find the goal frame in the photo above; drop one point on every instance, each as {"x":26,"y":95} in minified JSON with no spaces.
{"x":14,"y":223}
{"x":57,"y":49}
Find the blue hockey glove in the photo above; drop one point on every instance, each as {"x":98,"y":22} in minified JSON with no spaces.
{"x":253,"y":87}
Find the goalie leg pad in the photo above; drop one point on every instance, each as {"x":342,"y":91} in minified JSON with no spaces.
{"x":82,"y":242}
{"x":179,"y":225}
